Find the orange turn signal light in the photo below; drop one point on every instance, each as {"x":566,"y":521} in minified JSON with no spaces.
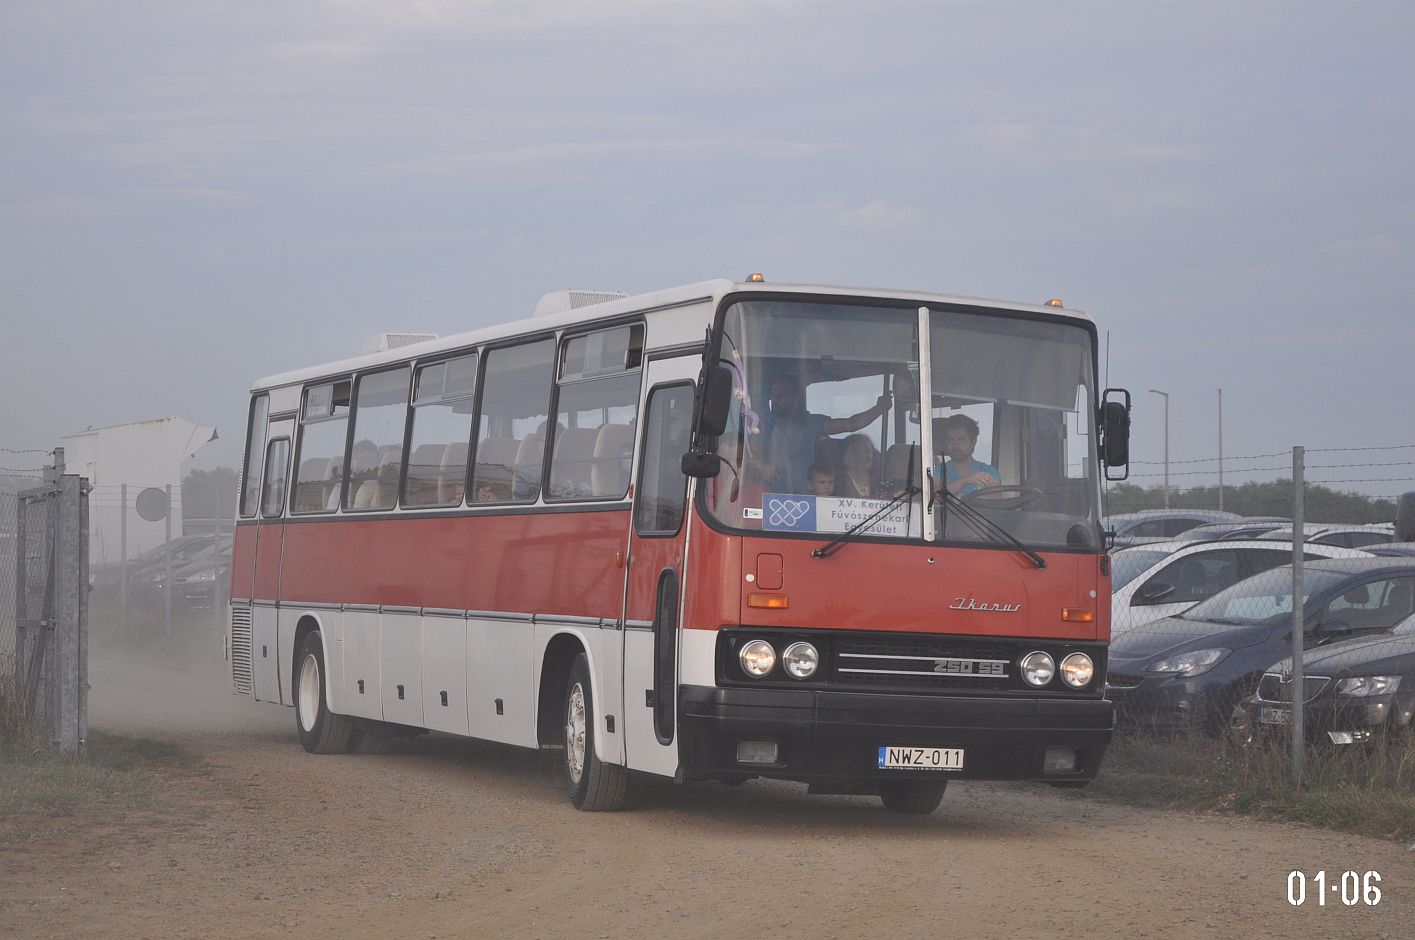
{"x":772,"y":601}
{"x":1078,"y":614}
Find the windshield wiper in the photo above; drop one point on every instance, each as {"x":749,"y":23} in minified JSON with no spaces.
{"x":909,"y":492}
{"x":985,"y":526}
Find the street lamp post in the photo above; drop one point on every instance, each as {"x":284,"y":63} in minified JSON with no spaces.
{"x":1165,"y":395}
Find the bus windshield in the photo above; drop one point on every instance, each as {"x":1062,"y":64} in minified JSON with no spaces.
{"x":826,"y":429}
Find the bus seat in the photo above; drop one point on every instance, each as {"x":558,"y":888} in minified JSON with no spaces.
{"x":570,"y":464}
{"x":310,"y":485}
{"x":530,"y":454}
{"x":896,"y":464}
{"x":613,"y":446}
{"x":496,"y":456}
{"x":425,"y":474}
{"x":452,"y":476}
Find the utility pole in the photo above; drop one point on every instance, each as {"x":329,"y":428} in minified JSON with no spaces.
{"x":1166,"y":443}
{"x":1220,"y":450}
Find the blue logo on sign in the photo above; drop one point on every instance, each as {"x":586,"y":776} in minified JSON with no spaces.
{"x":785,"y":512}
{"x":881,"y":756}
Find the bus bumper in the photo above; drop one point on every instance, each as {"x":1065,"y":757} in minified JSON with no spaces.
{"x":837,"y":736}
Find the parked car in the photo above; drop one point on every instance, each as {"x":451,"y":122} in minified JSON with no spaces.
{"x":1154,"y":581}
{"x":181,"y":549}
{"x":1149,"y":525}
{"x":196,"y":582}
{"x":1391,"y":549}
{"x":1196,"y":670}
{"x":1347,"y":536}
{"x":1249,"y":527}
{"x":1354,"y":689}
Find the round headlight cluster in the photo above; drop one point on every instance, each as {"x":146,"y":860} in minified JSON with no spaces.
{"x":1077,"y":670}
{"x":758,"y":659}
{"x":801,"y":660}
{"x":1038,"y":667}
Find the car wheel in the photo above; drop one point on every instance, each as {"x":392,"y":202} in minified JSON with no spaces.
{"x":593,"y":785}
{"x":912,"y":797}
{"x":321,"y":731}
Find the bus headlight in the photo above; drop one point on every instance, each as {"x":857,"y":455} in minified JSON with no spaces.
{"x":801,"y":660}
{"x":1077,"y":670}
{"x":757,"y":657}
{"x":1038,"y":667}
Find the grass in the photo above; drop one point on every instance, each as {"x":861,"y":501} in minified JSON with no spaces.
{"x":116,"y":779}
{"x":1369,"y":790}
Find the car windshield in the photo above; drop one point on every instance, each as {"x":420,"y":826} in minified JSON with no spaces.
{"x":1264,"y":597}
{"x":1128,"y":564}
{"x":827,"y":428}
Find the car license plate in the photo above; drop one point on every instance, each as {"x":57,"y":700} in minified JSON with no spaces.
{"x":1275,"y":716}
{"x":920,"y":758}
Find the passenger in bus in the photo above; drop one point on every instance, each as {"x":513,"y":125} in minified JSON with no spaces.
{"x":821,"y":479}
{"x":857,"y":475}
{"x":493,"y":491}
{"x":962,"y":474}
{"x":789,"y":434}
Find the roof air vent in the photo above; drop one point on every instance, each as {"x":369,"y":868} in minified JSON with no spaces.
{"x":382,"y":342}
{"x":563,"y":301}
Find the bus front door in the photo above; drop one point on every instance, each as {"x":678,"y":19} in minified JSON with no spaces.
{"x":654,"y":583}
{"x":265,"y":587}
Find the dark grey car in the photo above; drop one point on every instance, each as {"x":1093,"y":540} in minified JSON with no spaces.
{"x":1196,"y":670}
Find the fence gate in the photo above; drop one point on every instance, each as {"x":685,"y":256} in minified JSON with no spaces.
{"x":50,"y":653}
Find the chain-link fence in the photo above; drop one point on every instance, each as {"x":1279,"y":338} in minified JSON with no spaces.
{"x":1221,"y":621}
{"x":44,"y":611}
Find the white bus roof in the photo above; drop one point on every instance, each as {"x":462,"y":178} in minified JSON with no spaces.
{"x":669,"y":297}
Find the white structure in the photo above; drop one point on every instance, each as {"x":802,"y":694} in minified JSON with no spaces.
{"x":123,"y":461}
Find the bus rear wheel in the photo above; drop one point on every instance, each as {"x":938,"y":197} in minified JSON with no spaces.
{"x":912,"y":797}
{"x":593,"y":785}
{"x":321,"y":731}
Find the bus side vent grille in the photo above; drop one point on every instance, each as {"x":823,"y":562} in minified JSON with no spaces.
{"x":241,"y":649}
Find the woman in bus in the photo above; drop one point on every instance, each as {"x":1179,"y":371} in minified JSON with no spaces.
{"x":857,"y":475}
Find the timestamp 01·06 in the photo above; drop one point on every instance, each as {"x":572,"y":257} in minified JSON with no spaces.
{"x":1352,"y":887}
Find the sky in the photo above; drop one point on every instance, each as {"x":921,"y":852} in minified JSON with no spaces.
{"x":196,"y":194}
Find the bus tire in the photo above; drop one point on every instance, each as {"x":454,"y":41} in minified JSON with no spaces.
{"x":321,"y":731}
{"x":912,"y":797}
{"x":593,"y":785}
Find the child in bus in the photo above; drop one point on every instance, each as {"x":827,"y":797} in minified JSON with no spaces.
{"x":820,"y":479}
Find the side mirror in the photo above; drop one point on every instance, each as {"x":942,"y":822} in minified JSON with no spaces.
{"x":1335,"y":629}
{"x":1152,"y":593}
{"x":1115,"y":432}
{"x":716,"y":403}
{"x":701,"y":464}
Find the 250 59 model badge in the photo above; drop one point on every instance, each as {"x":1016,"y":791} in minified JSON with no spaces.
{"x":971,"y":667}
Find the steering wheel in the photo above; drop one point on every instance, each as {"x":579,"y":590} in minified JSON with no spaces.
{"x":1004,"y":496}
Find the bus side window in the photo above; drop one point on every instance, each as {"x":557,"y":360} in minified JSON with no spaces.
{"x":277,"y":459}
{"x":595,"y":412}
{"x":324,"y":418}
{"x":442,"y":427}
{"x":380,"y":412}
{"x":515,"y":404}
{"x":255,"y":446}
{"x":663,"y":489}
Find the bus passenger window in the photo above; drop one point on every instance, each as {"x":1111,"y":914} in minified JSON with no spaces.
{"x":255,"y":445}
{"x":663,"y":489}
{"x":442,"y":427}
{"x":277,"y":459}
{"x":515,"y":404}
{"x":598,"y":402}
{"x":380,"y":410}
{"x":324,"y":419}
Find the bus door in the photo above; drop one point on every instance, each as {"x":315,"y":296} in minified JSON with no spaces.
{"x":270,"y":538}
{"x":654,"y":583}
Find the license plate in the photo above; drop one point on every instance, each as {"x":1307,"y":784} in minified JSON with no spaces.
{"x":1275,"y":716}
{"x":920,"y":758}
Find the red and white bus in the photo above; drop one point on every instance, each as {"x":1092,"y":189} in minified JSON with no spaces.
{"x":720,"y":531}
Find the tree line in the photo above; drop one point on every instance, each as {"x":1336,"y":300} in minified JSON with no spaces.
{"x":1320,"y":504}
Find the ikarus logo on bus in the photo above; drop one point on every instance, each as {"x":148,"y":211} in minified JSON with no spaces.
{"x":969,"y":603}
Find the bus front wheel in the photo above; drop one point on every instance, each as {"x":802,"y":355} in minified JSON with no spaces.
{"x":914,"y":797}
{"x":321,"y":731}
{"x":593,"y":785}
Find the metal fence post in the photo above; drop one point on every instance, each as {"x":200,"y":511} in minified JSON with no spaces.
{"x":167,"y":567}
{"x":123,"y":551}
{"x":1299,"y":699}
{"x":68,"y":660}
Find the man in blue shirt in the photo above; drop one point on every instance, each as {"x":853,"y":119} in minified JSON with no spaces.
{"x":963,"y":474}
{"x":789,"y":434}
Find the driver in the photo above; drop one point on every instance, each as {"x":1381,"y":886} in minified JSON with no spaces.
{"x":961,"y":473}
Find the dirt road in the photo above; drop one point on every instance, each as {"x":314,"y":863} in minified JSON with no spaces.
{"x":442,"y":838}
